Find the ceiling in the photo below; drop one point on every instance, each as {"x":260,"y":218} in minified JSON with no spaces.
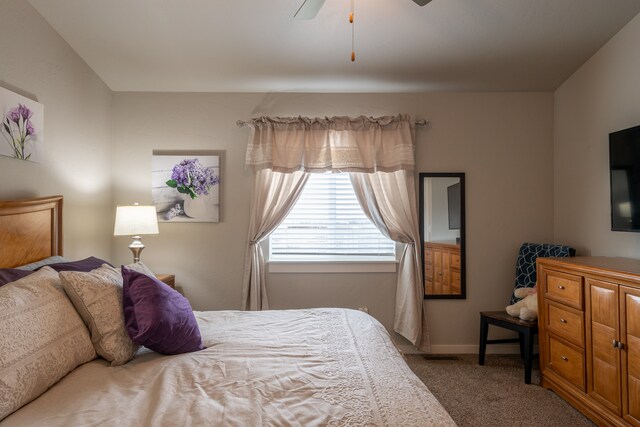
{"x":256,"y":45}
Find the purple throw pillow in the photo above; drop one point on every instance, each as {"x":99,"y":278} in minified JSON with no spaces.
{"x":85,"y":265}
{"x":157,"y":316}
{"x":8,"y":275}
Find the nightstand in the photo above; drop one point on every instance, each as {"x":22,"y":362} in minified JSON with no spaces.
{"x":169,"y":279}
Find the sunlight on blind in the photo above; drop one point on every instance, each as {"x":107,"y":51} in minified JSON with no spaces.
{"x":327,"y":221}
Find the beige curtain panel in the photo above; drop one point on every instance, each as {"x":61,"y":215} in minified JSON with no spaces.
{"x":337,"y":144}
{"x":379,"y":152}
{"x":388,"y":199}
{"x":273,"y":195}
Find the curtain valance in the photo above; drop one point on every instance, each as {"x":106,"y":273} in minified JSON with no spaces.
{"x":337,"y":144}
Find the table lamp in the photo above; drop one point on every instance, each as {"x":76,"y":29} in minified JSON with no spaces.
{"x":136,"y":221}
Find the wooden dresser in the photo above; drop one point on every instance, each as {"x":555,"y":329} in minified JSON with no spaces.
{"x":441,"y":268}
{"x":589,"y":323}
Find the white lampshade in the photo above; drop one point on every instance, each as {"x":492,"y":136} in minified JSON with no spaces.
{"x":135,"y":221}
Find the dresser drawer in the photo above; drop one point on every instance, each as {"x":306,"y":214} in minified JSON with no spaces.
{"x":564,"y":288}
{"x":428,"y":270}
{"x":428,"y":253}
{"x":566,"y":361}
{"x":428,"y":287}
{"x":455,"y":282}
{"x":565,"y":322}
{"x":455,"y":260}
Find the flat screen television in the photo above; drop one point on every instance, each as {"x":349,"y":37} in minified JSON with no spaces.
{"x":624,"y":168}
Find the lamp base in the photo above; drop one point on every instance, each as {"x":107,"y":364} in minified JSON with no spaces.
{"x":136,"y":247}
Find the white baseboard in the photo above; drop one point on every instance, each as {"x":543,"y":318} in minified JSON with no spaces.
{"x":464,"y":349}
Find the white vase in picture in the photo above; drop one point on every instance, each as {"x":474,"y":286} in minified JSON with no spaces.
{"x":195,"y":208}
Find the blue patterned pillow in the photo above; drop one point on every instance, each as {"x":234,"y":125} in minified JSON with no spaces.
{"x":526,"y":262}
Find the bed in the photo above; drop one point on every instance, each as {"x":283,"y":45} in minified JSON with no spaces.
{"x":312,"y":367}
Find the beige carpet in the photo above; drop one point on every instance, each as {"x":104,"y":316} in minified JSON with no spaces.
{"x":494,"y":394}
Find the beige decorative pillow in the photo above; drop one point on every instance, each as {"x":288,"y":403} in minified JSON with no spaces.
{"x":97,"y":295}
{"x":42,"y":338}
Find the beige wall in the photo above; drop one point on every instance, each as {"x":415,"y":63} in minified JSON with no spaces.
{"x":503,"y":141}
{"x":98,"y":154}
{"x":36,"y":62}
{"x":601,"y":97}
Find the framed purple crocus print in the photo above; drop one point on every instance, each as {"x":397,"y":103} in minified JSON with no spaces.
{"x":186,"y":185}
{"x":22,"y":127}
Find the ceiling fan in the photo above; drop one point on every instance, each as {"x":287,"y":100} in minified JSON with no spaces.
{"x":309,"y":8}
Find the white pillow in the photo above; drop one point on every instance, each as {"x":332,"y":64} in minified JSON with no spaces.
{"x":97,"y":295}
{"x":42,"y":338}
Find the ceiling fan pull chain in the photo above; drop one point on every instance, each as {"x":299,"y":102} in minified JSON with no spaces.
{"x":353,"y":51}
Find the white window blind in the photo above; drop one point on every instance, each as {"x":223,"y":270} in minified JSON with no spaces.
{"x":328,"y":223}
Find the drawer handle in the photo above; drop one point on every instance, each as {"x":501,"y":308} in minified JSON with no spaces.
{"x":618,"y":344}
{"x":565,"y":358}
{"x":563,"y":321}
{"x":560,"y":287}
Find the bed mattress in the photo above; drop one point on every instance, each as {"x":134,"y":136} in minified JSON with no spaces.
{"x":316,"y":367}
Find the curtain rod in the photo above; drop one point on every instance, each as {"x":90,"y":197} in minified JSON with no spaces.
{"x":421,"y":122}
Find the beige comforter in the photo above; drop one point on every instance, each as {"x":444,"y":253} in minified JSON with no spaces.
{"x":273,"y":368}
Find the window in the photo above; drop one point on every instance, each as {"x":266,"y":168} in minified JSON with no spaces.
{"x":327,"y":224}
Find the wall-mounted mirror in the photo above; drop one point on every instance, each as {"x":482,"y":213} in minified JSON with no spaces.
{"x":443,"y":236}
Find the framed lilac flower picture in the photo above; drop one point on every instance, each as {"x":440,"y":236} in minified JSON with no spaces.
{"x":22,"y":127}
{"x":186,"y":185}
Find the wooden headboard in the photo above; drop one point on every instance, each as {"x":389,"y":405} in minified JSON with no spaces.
{"x":30,"y":230}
